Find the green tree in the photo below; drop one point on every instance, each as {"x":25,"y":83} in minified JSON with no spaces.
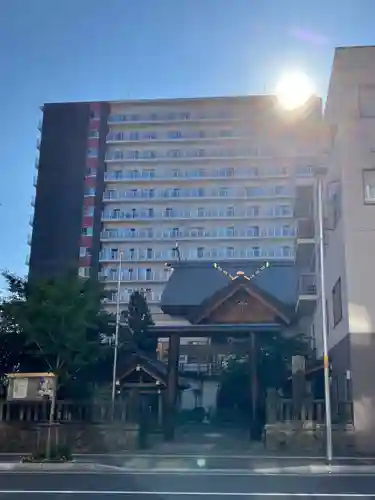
{"x":138,"y":321}
{"x":273,"y":357}
{"x":15,"y":353}
{"x":60,"y":319}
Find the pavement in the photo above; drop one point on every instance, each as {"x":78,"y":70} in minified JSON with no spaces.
{"x":209,"y":467}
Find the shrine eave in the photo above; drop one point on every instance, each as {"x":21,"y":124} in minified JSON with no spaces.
{"x":204,"y":330}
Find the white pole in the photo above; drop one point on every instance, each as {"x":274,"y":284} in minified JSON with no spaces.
{"x":327,"y":395}
{"x":117,"y":328}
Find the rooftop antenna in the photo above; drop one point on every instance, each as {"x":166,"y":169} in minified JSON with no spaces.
{"x":177,"y":251}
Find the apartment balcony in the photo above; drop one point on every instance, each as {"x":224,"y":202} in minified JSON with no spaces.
{"x":186,"y":195}
{"x":162,"y":137}
{"x":279,"y":253}
{"x":215,"y":214}
{"x":152,"y":298}
{"x":31,"y":220}
{"x":306,"y":242}
{"x":144,"y":277}
{"x":168,"y":118}
{"x":215,"y":234}
{"x":35,"y":180}
{"x":36,"y":164}
{"x":38,"y":143}
{"x":147,"y":177}
{"x":29,"y":239}
{"x":307,"y":294}
{"x":193,"y":156}
{"x":32,"y":202}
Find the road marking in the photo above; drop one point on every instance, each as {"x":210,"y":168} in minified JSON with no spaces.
{"x":196,"y":472}
{"x":185,"y":493}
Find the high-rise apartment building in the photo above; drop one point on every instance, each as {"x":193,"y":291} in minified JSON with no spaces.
{"x":211,"y":179}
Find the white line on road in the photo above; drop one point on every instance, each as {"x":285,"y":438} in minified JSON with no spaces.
{"x":183,"y":472}
{"x":184,"y":493}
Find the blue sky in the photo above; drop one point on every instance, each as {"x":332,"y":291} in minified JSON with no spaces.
{"x":53,"y":50}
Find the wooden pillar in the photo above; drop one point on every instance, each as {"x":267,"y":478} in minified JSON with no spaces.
{"x":254,"y":383}
{"x":171,"y":391}
{"x":160,"y":408}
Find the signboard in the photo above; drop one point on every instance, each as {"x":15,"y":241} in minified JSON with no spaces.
{"x":298,"y":364}
{"x":30,"y":386}
{"x":19,"y":387}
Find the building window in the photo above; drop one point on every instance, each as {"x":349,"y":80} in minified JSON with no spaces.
{"x":93,"y":134}
{"x":90,"y":191}
{"x":369,"y":185}
{"x":82,"y":251}
{"x":230,"y":211}
{"x":86,"y":231}
{"x":337,"y":303}
{"x":200,"y":252}
{"x":90,"y":171}
{"x":230,"y":252}
{"x":92,"y":153}
{"x":223,"y":192}
{"x":256,"y":251}
{"x":200,"y":212}
{"x":88,"y":211}
{"x":84,"y":272}
{"x":149,"y":253}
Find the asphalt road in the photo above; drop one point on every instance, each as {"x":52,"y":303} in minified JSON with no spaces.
{"x":187,"y":486}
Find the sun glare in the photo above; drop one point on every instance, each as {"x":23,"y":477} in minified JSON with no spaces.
{"x":293,"y":90}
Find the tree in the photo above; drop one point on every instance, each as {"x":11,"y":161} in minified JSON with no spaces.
{"x":15,"y":354}
{"x":273,"y":357}
{"x":60,"y":320}
{"x":138,"y":321}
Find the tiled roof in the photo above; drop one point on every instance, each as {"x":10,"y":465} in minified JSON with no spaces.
{"x":191,"y":283}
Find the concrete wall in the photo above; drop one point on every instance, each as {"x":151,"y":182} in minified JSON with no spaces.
{"x":351,"y":246}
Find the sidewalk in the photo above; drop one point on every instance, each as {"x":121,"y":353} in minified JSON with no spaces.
{"x":186,"y":466}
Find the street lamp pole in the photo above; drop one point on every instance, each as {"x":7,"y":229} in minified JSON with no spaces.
{"x":327,"y":394}
{"x":117,"y":328}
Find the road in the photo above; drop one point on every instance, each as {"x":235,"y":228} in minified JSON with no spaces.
{"x":185,"y":485}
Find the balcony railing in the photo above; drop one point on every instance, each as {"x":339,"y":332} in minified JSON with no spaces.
{"x":160,"y":215}
{"x":183,"y":194}
{"x":307,"y":284}
{"x":159,"y":276}
{"x":125,"y":297}
{"x":175,"y":117}
{"x":282,"y":252}
{"x":220,"y":234}
{"x":189,"y":176}
{"x":185,"y":155}
{"x":178,"y":136}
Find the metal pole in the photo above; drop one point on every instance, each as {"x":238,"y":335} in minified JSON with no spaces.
{"x":117,"y":328}
{"x":327,"y":394}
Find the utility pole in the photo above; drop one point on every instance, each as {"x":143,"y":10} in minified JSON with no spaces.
{"x":117,"y":329}
{"x":327,"y":394}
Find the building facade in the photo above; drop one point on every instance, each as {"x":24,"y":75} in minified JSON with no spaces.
{"x":350,"y":235}
{"x":218,"y":177}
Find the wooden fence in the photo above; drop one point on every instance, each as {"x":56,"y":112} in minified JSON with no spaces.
{"x":66,"y":411}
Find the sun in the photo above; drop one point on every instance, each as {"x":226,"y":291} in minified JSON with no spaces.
{"x":293,"y":90}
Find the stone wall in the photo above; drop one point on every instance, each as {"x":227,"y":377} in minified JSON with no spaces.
{"x":26,"y":437}
{"x":309,"y":437}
